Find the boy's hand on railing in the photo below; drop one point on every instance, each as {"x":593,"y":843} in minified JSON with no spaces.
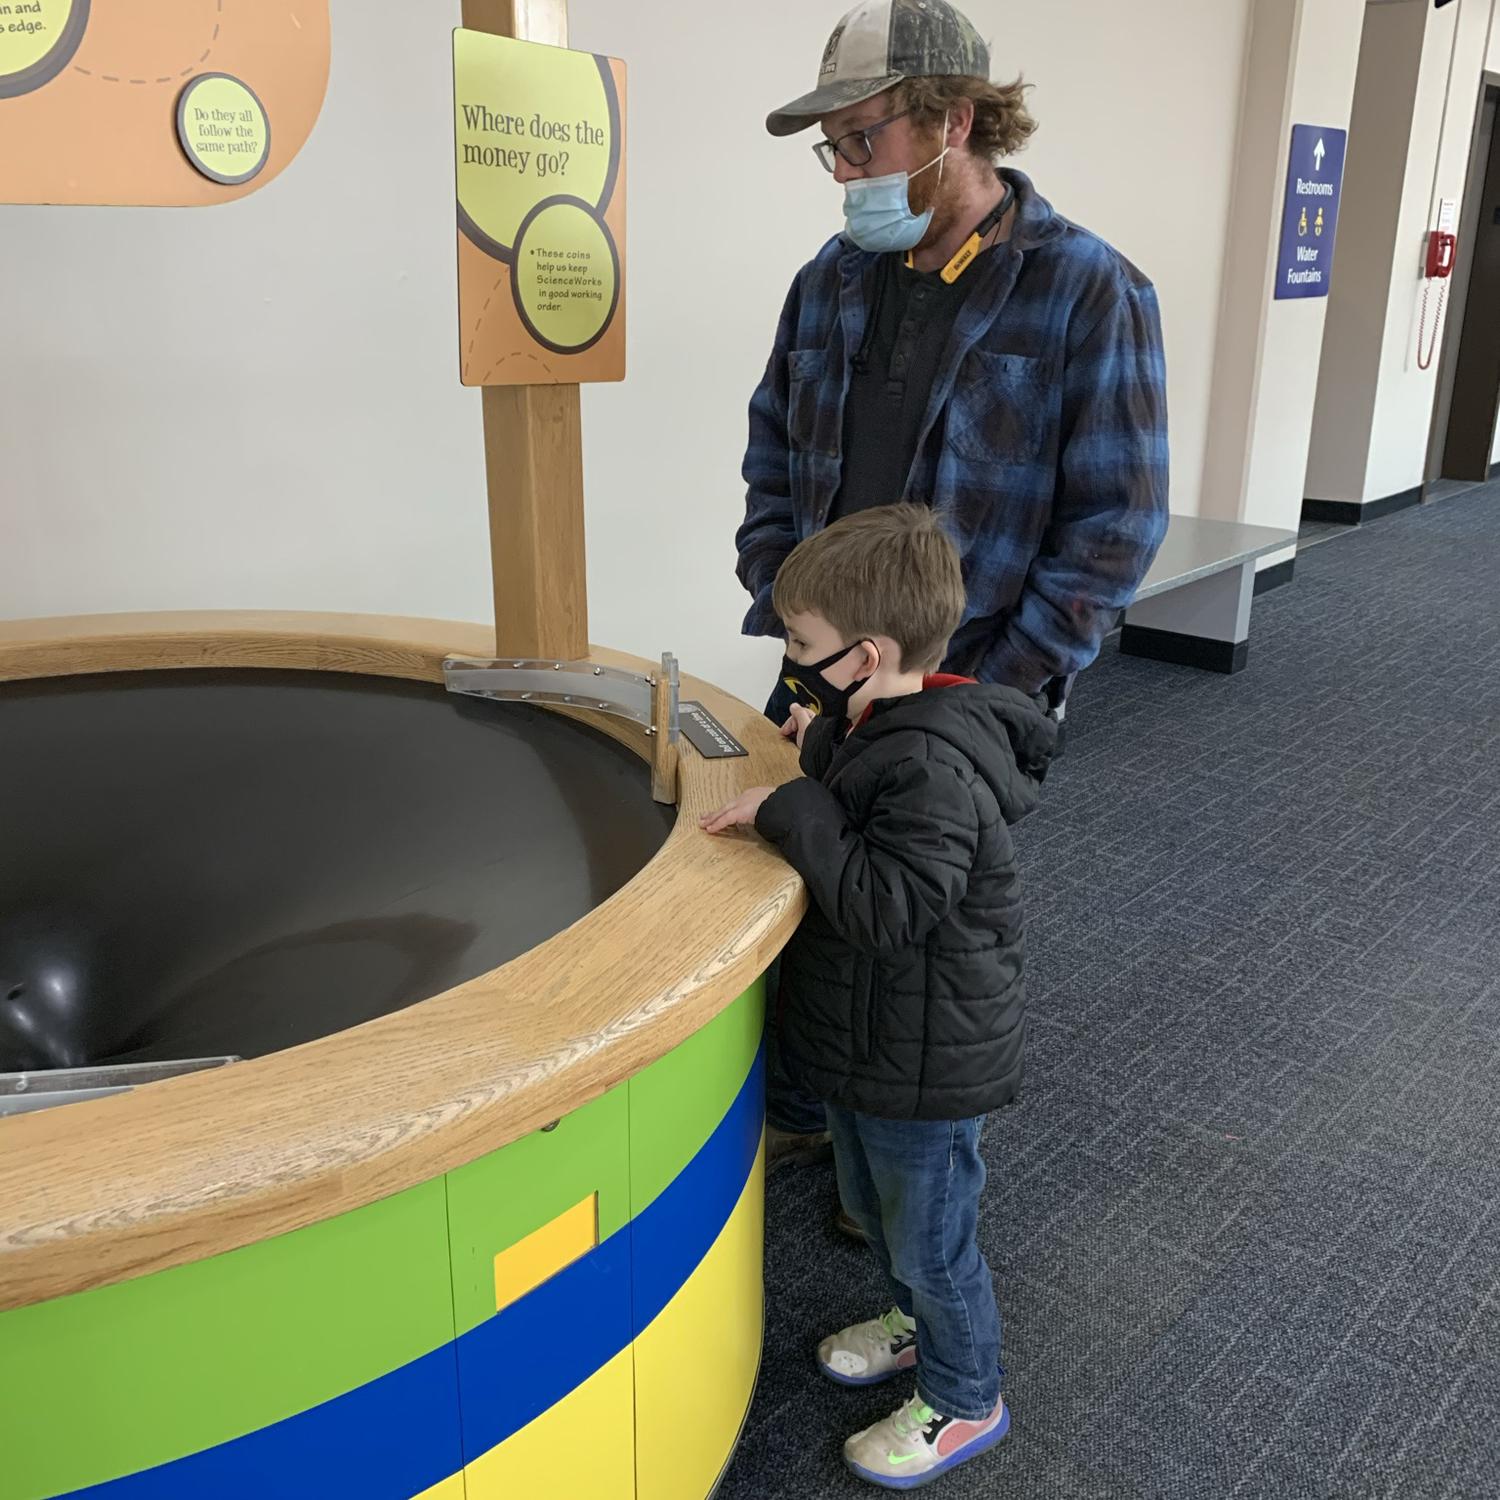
{"x":741,"y":811}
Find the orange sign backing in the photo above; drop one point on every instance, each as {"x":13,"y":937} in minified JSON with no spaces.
{"x":155,"y":102}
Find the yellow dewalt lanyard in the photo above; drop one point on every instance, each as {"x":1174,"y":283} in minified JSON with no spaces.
{"x":964,"y":256}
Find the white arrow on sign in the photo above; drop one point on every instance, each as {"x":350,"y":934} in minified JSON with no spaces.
{"x":1318,"y":155}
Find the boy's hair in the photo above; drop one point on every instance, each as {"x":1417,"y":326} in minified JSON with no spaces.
{"x":891,"y":571}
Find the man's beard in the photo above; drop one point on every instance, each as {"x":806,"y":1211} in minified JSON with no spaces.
{"x":936,"y":189}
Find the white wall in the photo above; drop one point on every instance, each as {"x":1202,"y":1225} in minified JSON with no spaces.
{"x":1437,"y":166}
{"x":1321,"y":93}
{"x":1354,"y":333}
{"x":1413,"y":119}
{"x":258,"y":405}
{"x":1300,"y":69}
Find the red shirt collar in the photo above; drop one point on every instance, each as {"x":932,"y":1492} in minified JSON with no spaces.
{"x":929,"y":682}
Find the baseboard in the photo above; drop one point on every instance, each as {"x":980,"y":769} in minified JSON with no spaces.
{"x":1351,"y":512}
{"x":1335,"y":512}
{"x":1183,"y":650}
{"x":1274,"y":577}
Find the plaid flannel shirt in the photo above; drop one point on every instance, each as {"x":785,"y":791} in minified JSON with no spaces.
{"x":1043,"y":448}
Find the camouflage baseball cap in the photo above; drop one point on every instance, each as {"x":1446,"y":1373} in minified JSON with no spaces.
{"x":875,"y":46}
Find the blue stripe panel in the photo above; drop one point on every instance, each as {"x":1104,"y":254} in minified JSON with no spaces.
{"x":674,"y":1233}
{"x":529,"y":1356}
{"x":515,"y":1365}
{"x":394,"y":1437}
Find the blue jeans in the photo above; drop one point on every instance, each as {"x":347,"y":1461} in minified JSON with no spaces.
{"x":913,"y":1186}
{"x":787,"y":1106}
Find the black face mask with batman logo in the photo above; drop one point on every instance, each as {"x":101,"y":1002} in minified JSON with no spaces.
{"x":813,"y":690}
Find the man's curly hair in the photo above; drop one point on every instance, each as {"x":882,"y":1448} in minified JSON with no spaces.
{"x":1002,"y":123}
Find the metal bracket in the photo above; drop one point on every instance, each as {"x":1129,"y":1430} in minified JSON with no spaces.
{"x":569,"y":684}
{"x":43,"y":1088}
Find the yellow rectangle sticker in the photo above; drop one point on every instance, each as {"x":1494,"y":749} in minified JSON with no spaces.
{"x":544,"y":1252}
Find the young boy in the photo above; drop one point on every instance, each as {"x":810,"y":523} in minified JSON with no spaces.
{"x":902,"y":988}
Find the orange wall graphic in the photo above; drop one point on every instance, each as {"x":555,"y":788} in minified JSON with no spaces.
{"x":155,"y":102}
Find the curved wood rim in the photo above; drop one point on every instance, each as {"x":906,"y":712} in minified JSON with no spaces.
{"x":100,"y":1192}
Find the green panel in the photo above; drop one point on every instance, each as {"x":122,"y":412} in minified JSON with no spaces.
{"x":677,"y":1101}
{"x":120,"y":1379}
{"x":503,"y":1197}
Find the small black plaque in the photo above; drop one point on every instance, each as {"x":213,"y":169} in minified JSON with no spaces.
{"x":706,"y":735}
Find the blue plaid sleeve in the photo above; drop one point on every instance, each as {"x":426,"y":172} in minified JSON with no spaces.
{"x":768,"y":533}
{"x":1110,"y":508}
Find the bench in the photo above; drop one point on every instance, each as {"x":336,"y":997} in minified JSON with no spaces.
{"x":1193,"y":607}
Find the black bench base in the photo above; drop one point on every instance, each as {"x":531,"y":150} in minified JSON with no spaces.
{"x":1183,"y":650}
{"x":1274,"y":577}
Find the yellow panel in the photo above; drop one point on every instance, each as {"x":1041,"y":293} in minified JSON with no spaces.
{"x":582,"y":1447}
{"x":545,"y":1251}
{"x":695,"y":1365}
{"x":451,"y":1488}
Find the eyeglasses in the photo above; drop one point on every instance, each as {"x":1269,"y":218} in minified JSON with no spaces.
{"x":854,"y":147}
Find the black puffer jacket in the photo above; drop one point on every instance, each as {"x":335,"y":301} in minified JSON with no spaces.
{"x":902,"y":993}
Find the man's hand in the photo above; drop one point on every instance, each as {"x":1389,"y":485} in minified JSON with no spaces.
{"x":742,"y":810}
{"x":796,"y":726}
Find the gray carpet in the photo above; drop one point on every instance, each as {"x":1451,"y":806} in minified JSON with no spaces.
{"x":1310,"y":533}
{"x":1245,"y":1224}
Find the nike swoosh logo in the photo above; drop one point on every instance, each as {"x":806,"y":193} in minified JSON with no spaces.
{"x":901,"y":1458}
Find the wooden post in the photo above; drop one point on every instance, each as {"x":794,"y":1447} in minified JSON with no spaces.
{"x":533,"y":454}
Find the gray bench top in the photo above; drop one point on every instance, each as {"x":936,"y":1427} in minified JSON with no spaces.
{"x":1197,"y":547}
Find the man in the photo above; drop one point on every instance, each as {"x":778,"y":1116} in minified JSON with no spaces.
{"x":960,"y":345}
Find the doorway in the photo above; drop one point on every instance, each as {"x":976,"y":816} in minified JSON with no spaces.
{"x":1464,"y":444}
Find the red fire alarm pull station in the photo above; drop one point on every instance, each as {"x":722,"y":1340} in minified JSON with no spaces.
{"x":1442,"y":254}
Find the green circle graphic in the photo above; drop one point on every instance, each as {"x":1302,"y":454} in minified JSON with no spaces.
{"x":566,"y":275}
{"x":37,"y":45}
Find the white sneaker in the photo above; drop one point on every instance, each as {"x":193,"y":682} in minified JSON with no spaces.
{"x":870,"y":1352}
{"x":915,"y":1444}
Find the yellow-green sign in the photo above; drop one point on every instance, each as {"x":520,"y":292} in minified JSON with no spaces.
{"x":223,"y":128}
{"x":538,"y":155}
{"x":37,"y":40}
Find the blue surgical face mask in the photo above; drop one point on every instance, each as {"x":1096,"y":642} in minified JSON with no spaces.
{"x":877,"y":210}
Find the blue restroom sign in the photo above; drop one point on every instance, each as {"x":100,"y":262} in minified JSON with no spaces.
{"x":1310,"y":216}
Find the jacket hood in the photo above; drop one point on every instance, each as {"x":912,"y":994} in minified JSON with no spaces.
{"x":1007,"y":736}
